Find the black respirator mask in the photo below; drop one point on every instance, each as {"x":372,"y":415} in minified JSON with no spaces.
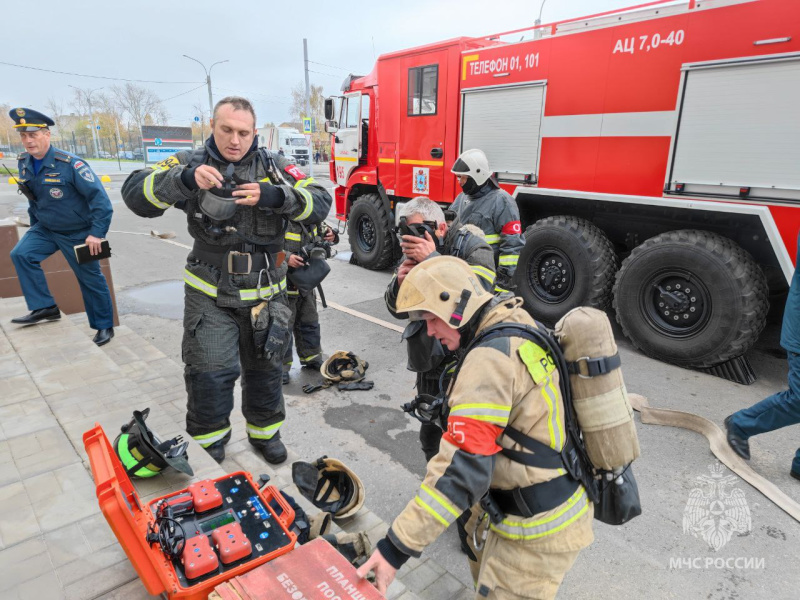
{"x":470,"y":187}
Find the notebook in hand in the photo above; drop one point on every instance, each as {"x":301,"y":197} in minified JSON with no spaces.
{"x":83,"y":255}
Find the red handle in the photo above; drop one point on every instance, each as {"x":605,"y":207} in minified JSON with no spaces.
{"x":287,"y":513}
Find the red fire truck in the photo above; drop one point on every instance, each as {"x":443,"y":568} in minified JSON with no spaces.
{"x":654,"y":154}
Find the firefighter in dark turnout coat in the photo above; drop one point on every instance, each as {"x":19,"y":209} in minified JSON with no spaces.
{"x":236,"y":314}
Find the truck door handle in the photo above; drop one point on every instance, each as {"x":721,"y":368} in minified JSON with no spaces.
{"x":436,"y":153}
{"x":354,"y":150}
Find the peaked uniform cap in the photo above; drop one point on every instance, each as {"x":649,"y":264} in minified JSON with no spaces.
{"x":445,"y":286}
{"x":27,"y":119}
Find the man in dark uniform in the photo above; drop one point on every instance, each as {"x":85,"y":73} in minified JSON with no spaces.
{"x":781,"y":409}
{"x":304,"y":322}
{"x":235,"y":307}
{"x":68,"y":207}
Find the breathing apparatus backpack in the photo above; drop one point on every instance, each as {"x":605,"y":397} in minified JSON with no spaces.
{"x":601,"y":437}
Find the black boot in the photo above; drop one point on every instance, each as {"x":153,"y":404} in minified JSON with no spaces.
{"x":40,"y":314}
{"x":739,"y":445}
{"x":285,"y":377}
{"x":273,"y":450}
{"x":217,"y":452}
{"x":103,"y":336}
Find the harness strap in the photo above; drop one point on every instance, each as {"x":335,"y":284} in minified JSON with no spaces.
{"x":536,"y":498}
{"x":594,"y":366}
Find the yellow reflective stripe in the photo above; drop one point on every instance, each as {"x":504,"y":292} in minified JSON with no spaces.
{"x":439,"y":498}
{"x":487,"y":274}
{"x":295,"y":237}
{"x":207,"y":439}
{"x":198,"y":284}
{"x":266,"y":179}
{"x":314,"y":231}
{"x":509,"y":259}
{"x":573,"y":509}
{"x":552,"y":408}
{"x":293,"y":293}
{"x":308,"y":358}
{"x":148,"y":190}
{"x":429,"y":510}
{"x":490,"y":413}
{"x":263,"y":433}
{"x":493,"y":238}
{"x":306,"y":196}
{"x":265,"y":293}
{"x":500,"y":290}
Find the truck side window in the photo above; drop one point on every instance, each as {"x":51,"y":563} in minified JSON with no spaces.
{"x":352,"y":113}
{"x":423,"y":85}
{"x":364,"y":125}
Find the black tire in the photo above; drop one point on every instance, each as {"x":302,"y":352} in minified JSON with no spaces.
{"x":719,"y":318}
{"x":369,"y":229}
{"x":585,"y":258}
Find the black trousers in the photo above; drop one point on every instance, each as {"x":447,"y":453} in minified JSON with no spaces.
{"x":217,"y":348}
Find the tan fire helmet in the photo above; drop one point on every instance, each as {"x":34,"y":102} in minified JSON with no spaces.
{"x":473,"y":163}
{"x":344,"y":366}
{"x":444,"y":286}
{"x":330,"y":486}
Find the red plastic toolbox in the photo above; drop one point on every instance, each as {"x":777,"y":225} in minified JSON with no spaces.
{"x":242,"y":503}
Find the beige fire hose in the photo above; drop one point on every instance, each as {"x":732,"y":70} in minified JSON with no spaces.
{"x":719,"y":447}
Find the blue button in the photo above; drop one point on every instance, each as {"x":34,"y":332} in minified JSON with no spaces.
{"x":197,"y":549}
{"x":230,"y":536}
{"x":264,"y":535}
{"x":234,"y":490}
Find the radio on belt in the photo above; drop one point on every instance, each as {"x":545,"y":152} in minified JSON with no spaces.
{"x":184,"y":544}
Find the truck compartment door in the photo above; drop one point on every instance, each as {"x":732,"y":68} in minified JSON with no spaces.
{"x":739,"y":128}
{"x":347,"y":141}
{"x":506,"y":124}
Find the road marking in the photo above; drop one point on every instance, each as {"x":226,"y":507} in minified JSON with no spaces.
{"x":334,"y":305}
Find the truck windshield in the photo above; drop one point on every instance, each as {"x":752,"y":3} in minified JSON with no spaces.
{"x":296,"y":142}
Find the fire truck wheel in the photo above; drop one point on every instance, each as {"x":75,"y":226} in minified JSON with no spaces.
{"x":692,"y":298}
{"x":567,"y":262}
{"x":370,"y":233}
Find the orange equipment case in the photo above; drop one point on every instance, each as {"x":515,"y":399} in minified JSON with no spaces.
{"x":130,"y":521}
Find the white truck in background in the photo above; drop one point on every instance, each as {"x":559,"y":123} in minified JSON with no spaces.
{"x":293,"y":143}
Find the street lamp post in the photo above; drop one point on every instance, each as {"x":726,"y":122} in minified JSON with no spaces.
{"x":208,"y":79}
{"x":91,"y":117}
{"x":537,"y":33}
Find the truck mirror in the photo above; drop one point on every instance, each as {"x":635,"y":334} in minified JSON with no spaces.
{"x":329,"y":108}
{"x":331,"y":126}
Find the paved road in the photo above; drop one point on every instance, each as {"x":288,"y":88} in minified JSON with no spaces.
{"x":651,"y":557}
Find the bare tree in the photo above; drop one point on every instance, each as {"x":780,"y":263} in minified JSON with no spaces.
{"x":140,"y":104}
{"x":297,"y":109}
{"x":56,"y":110}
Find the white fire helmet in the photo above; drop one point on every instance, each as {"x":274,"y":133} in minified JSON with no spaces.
{"x":472,"y":163}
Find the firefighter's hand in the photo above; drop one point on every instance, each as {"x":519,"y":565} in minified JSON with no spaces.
{"x":384,"y":572}
{"x":330,"y":236}
{"x":296,"y":261}
{"x":207,"y":177}
{"x":418,"y":249}
{"x":247,"y":193}
{"x":94,"y":244}
{"x":404,"y":269}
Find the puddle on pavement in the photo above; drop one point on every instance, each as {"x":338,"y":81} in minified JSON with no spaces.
{"x":163,"y":299}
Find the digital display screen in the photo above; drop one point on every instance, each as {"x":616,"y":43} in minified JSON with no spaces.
{"x":210,"y":525}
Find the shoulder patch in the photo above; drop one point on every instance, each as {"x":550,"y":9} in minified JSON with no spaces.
{"x":78,"y":164}
{"x":167,"y":164}
{"x":294,"y":172}
{"x":503,"y":344}
{"x":63,"y":156}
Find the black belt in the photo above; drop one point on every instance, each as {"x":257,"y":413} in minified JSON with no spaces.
{"x":238,"y":259}
{"x":536,"y":498}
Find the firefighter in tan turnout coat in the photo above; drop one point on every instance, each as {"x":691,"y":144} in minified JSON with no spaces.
{"x":504,"y":383}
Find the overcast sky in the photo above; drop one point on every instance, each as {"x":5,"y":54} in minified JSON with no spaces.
{"x":263,"y":40}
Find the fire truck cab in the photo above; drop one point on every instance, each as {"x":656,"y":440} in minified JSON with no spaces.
{"x":654,"y":155}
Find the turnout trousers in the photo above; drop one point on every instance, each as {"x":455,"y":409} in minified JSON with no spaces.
{"x":517,"y":569}
{"x":39,"y":243}
{"x":304,"y":328}
{"x":217,"y":348}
